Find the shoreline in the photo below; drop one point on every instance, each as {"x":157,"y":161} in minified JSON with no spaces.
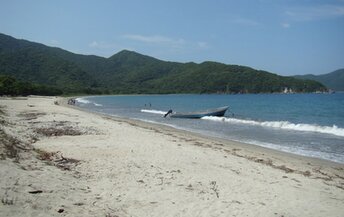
{"x":253,"y":147}
{"x":78,"y":162}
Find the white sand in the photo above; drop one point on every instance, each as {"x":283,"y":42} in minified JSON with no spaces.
{"x":130,"y":168}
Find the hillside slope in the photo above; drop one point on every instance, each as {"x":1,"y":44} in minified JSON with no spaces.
{"x":333,"y":80}
{"x":131,"y":72}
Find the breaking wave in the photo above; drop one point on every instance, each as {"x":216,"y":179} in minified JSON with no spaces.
{"x":82,"y":100}
{"x":153,"y":111}
{"x":85,"y":101}
{"x":286,"y":125}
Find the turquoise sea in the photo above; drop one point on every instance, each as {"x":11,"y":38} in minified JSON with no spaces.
{"x":304,"y":124}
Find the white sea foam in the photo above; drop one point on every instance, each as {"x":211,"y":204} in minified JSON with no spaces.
{"x":298,"y":150}
{"x":85,"y":101}
{"x":153,"y":111}
{"x":286,"y":125}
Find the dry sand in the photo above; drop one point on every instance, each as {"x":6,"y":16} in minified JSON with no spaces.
{"x":56,"y":160}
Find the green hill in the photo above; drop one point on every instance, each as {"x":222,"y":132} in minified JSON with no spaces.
{"x":333,"y":80}
{"x":131,"y":72}
{"x":38,"y":63}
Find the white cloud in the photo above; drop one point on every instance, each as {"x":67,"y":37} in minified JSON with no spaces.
{"x":315,"y":12}
{"x":202,"y":44}
{"x":102,"y":45}
{"x":285,"y":25}
{"x":94,"y":44}
{"x":155,"y":39}
{"x":163,"y":45}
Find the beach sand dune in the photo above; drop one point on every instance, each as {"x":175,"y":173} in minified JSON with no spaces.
{"x":57,"y":160}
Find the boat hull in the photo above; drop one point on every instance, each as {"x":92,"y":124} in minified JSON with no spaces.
{"x":213,"y":112}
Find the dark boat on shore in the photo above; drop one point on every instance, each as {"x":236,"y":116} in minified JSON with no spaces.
{"x":199,"y":114}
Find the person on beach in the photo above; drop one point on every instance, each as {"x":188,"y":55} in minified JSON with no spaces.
{"x":169,"y":112}
{"x":71,"y":102}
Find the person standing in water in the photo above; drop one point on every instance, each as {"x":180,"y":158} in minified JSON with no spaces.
{"x":169,"y":112}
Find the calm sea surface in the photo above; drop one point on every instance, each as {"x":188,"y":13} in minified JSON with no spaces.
{"x":305,"y":124}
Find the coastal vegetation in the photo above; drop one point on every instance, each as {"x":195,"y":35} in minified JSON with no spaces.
{"x":12,"y":87}
{"x":128,"y":72}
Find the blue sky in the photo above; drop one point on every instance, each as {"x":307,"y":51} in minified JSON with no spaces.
{"x":284,"y":37}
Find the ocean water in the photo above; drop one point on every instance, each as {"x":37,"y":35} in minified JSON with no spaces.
{"x":304,"y":124}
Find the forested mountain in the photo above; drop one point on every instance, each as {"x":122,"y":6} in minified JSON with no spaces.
{"x":333,"y":80}
{"x":131,"y":72}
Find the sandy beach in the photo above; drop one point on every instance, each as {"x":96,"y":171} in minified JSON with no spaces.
{"x":57,"y":160}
